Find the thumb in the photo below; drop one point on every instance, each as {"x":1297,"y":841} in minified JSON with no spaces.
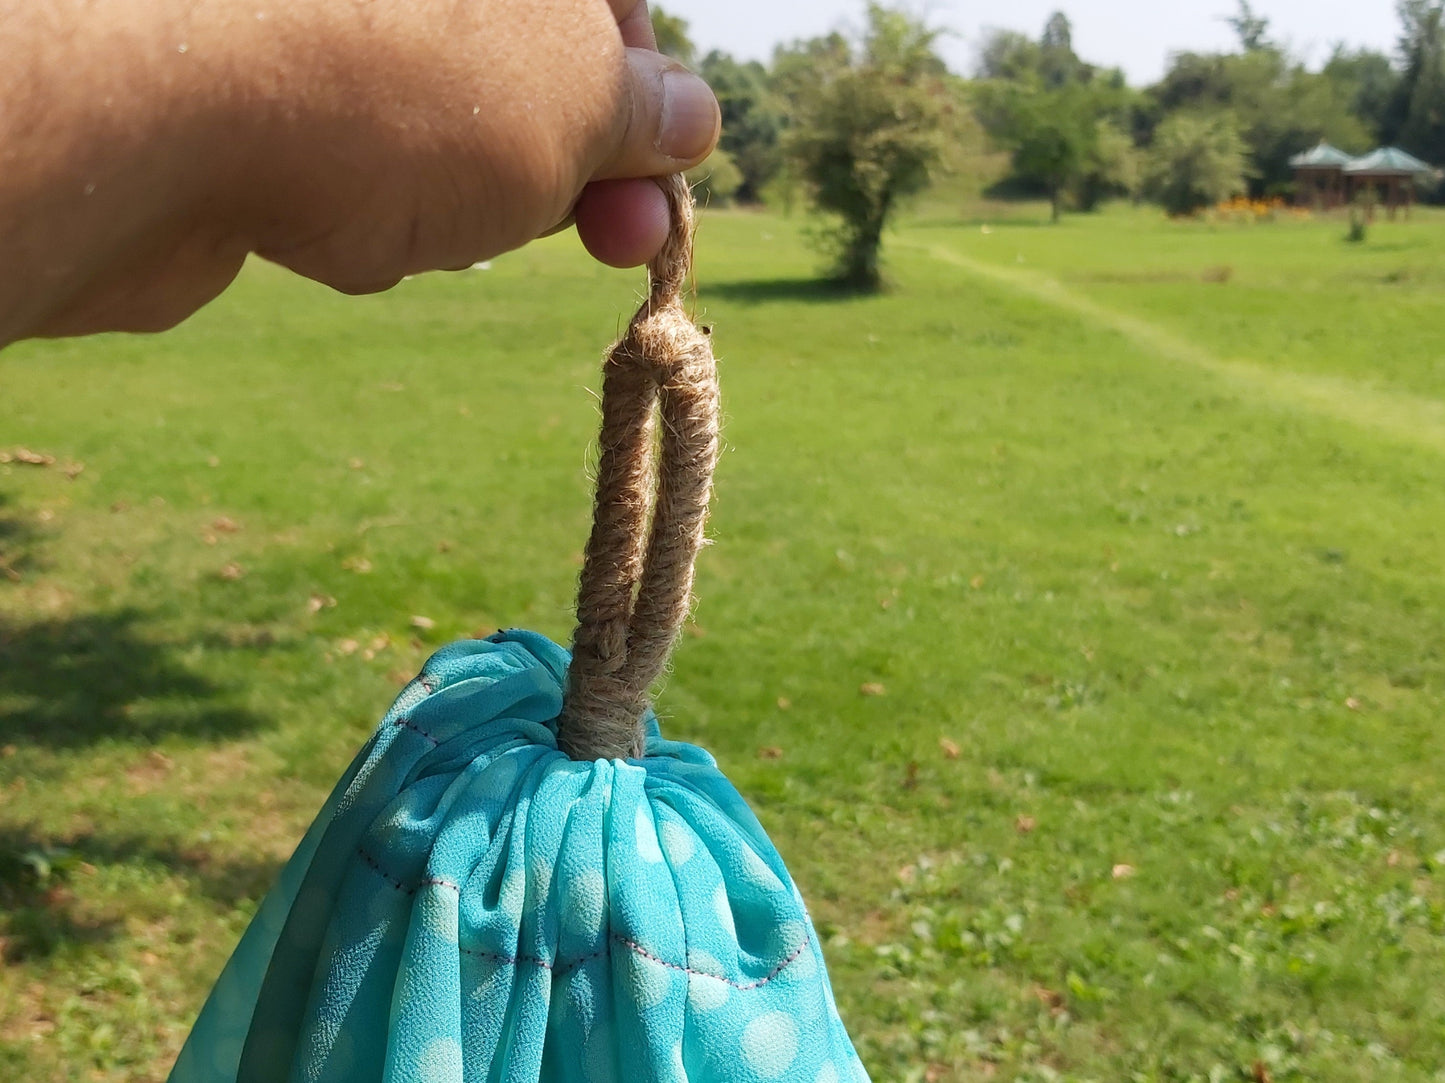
{"x":673,"y":124}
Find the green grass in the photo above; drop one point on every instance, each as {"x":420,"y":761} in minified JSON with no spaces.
{"x":1154,"y":546}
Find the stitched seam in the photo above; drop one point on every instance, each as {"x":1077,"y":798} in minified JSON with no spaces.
{"x":563,"y":968}
{"x":408,"y":724}
{"x":640,"y":950}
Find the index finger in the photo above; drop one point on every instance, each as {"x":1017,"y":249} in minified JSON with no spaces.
{"x":635,"y":23}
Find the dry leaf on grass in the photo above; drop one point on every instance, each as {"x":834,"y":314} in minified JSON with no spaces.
{"x":317,"y":602}
{"x":784,"y":703}
{"x":426,"y":624}
{"x":1123,"y":872}
{"x":232,"y":571}
{"x":359,"y":565}
{"x":225,"y":525}
{"x":770,"y":752}
{"x":348,"y":646}
{"x":950,"y":748}
{"x":27,"y":457}
{"x":871,"y":688}
{"x":1025,"y":824}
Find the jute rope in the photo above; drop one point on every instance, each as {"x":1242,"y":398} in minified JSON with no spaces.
{"x":653,"y":485}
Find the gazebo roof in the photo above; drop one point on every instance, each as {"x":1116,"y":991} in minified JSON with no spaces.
{"x":1322,"y":156}
{"x":1386,"y":161}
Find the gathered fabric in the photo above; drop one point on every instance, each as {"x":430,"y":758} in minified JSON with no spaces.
{"x":473,"y":905}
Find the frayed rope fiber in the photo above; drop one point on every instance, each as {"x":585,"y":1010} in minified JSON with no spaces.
{"x":658,"y":447}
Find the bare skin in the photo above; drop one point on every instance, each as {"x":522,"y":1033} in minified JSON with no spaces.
{"x":147,"y":146}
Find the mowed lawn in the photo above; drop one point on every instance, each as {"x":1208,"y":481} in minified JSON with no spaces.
{"x":1074,"y":623}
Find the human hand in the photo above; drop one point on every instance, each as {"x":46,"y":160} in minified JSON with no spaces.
{"x":355,"y":143}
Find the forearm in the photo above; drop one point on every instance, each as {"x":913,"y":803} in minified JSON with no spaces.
{"x":103,"y":155}
{"x":147,"y":145}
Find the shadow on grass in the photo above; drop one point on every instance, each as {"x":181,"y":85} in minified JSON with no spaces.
{"x":764,"y":290}
{"x":17,"y":552}
{"x":75,"y":680}
{"x":42,"y":905}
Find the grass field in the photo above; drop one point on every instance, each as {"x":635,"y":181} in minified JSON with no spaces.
{"x":1137,"y":528}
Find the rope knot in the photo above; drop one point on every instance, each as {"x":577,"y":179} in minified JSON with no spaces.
{"x":653,"y":485}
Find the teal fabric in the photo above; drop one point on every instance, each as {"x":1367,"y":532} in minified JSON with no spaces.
{"x":473,"y":905}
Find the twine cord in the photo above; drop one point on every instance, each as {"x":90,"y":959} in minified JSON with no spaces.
{"x":658,"y":446}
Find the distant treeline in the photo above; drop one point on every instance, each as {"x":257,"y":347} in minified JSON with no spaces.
{"x":1216,"y":124}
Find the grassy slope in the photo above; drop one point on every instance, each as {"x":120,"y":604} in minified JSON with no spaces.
{"x":1110,"y":528}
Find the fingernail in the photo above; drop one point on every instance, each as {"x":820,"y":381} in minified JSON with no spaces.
{"x":689,"y":115}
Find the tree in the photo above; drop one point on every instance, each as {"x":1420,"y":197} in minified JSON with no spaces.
{"x":1059,"y":65}
{"x":752,"y":120}
{"x":716,"y":181}
{"x":1250,"y":28}
{"x":1007,"y":54}
{"x":1051,"y":61}
{"x":1197,"y":160}
{"x":868,"y":132}
{"x":672,"y":37}
{"x":1368,"y":81}
{"x":1050,"y":135}
{"x":1416,"y":116}
{"x":1053,"y":135}
{"x":1281,"y":107}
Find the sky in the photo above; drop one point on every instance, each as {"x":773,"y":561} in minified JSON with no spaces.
{"x":1136,"y":35}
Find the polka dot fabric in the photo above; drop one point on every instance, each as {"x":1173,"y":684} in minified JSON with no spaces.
{"x":471,"y":905}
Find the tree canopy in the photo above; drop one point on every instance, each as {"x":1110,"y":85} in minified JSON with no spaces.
{"x":869,"y":129}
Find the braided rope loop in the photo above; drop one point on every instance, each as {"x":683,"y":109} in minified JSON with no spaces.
{"x":658,"y":447}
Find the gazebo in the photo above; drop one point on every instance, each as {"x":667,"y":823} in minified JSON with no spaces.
{"x":1389,"y":169}
{"x":1319,"y":177}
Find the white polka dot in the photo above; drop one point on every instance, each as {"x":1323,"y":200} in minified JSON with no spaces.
{"x":724,"y":910}
{"x":786,"y":937}
{"x":490,"y":986}
{"x":705,"y":993}
{"x":440,"y":1060}
{"x":513,"y":895}
{"x":541,"y":873}
{"x":580,"y":1000}
{"x":757,"y":873}
{"x":829,"y":1074}
{"x":647,"y":847}
{"x":439,"y":913}
{"x":648,"y":982}
{"x":805,"y":966}
{"x":770,"y":1043}
{"x":398,"y":823}
{"x":585,"y":898}
{"x":677,"y":841}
